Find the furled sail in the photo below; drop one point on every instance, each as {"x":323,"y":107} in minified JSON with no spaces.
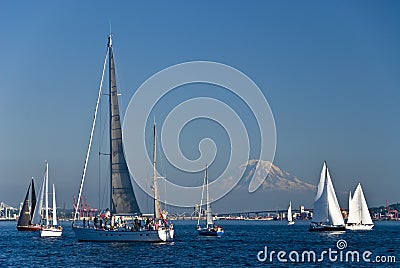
{"x":123,"y":200}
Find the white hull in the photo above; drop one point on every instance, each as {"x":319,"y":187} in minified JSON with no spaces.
{"x":100,"y":235}
{"x":359,"y":227}
{"x":51,"y":232}
{"x":290,"y":222}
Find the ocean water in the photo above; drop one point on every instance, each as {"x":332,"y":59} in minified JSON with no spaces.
{"x":239,"y":247}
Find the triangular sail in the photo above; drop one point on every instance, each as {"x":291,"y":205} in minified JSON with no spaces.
{"x":326,"y":206}
{"x":157,"y":204}
{"x":321,"y":200}
{"x":54,"y":206}
{"x":33,"y":199}
{"x":123,"y":200}
{"x":358,"y":208}
{"x":289,"y":212}
{"x":335,"y":215}
{"x":37,"y":215}
{"x":24,"y":216}
{"x":210,"y":220}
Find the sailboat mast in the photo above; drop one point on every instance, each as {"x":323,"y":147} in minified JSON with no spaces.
{"x":47,"y":193}
{"x":110,"y":113}
{"x":326,"y":187}
{"x":157,"y":206}
{"x":54,"y":206}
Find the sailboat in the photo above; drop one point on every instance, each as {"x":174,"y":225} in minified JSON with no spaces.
{"x":25,"y":216}
{"x":119,"y":225}
{"x":327,"y":215}
{"x":50,"y":229}
{"x":359,"y":217}
{"x":209,"y":229}
{"x":290,"y":215}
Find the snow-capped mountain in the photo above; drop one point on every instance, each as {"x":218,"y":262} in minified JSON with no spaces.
{"x":275,"y":179}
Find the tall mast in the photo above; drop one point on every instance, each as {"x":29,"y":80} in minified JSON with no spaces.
{"x":110,"y":59}
{"x":209,"y":213}
{"x":47,"y":193}
{"x":157,"y":206}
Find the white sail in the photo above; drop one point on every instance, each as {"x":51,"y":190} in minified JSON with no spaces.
{"x":321,"y":200}
{"x":37,"y":214}
{"x":358,"y":208}
{"x":335,"y":215}
{"x":365,"y":216}
{"x":54,"y":207}
{"x":326,"y":206}
{"x":210,"y":220}
{"x":289,"y":213}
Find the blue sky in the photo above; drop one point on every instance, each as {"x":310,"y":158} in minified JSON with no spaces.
{"x":330,"y":72}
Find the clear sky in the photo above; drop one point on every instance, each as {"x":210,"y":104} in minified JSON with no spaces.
{"x":329,"y":70}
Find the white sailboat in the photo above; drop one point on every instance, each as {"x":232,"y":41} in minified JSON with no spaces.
{"x":290,"y":215}
{"x":210,"y":229}
{"x":123,"y":204}
{"x":359,"y":216}
{"x":51,"y":229}
{"x":327,"y":215}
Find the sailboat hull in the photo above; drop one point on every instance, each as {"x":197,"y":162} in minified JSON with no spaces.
{"x":101,"y":235}
{"x":359,"y":227}
{"x":51,"y":232}
{"x":326,"y":228}
{"x":290,"y":222}
{"x":29,"y":228}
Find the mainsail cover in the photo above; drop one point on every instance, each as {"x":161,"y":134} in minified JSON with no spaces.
{"x":24,"y":216}
{"x":123,"y":200}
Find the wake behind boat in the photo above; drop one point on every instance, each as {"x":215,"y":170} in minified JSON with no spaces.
{"x":359,"y":217}
{"x":123,"y":222}
{"x":327,"y":215}
{"x":210,"y":229}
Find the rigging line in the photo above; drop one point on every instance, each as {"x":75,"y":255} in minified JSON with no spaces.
{"x":91,"y":137}
{"x":201,"y":200}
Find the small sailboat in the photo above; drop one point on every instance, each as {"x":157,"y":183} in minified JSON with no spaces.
{"x":210,"y":229}
{"x":26,"y":215}
{"x":50,"y":229}
{"x":124,"y":208}
{"x":327,"y":215}
{"x":290,"y":215}
{"x":359,"y":217}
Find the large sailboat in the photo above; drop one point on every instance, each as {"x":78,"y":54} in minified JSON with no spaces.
{"x":209,"y":229}
{"x":359,"y":217}
{"x":26,"y":213}
{"x":123,"y":221}
{"x":290,"y":215}
{"x":327,"y":215}
{"x":50,"y":227}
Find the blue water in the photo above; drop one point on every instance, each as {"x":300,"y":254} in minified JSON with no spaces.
{"x":238,"y":247}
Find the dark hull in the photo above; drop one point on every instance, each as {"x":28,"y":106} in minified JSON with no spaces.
{"x":204,"y":232}
{"x":327,"y":228}
{"x":30,"y":228}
